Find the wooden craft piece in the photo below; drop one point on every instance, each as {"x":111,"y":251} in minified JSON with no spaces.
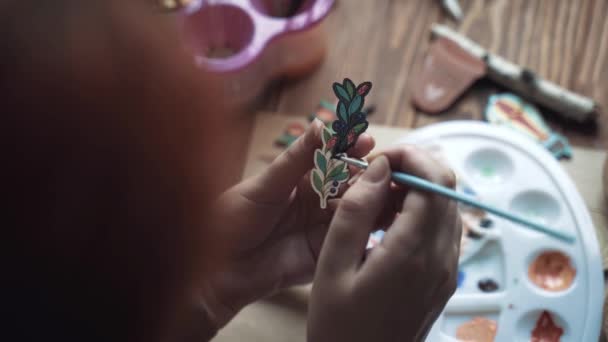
{"x":523,"y":81}
{"x":509,"y":110}
{"x":446,"y":73}
{"x":329,"y":172}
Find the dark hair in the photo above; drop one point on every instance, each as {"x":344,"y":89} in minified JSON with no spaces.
{"x":97,"y":149}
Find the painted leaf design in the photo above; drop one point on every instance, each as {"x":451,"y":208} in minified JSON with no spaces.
{"x":359,"y":128}
{"x":329,"y":173}
{"x":355,"y":105}
{"x":342,"y":176}
{"x":337,"y":169}
{"x":350,"y":87}
{"x":326,"y":187}
{"x":317,"y":183}
{"x":321,"y":161}
{"x":342,"y":113}
{"x":326,"y":135}
{"x":341,"y":93}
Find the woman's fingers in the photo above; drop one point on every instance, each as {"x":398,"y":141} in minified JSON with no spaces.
{"x":416,"y":161}
{"x":283,"y":175}
{"x":405,"y":282}
{"x":355,"y":218}
{"x":277,"y":182}
{"x":364,"y":145}
{"x":425,"y":218}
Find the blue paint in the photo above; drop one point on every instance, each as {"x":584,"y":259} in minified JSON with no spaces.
{"x":461,"y":277}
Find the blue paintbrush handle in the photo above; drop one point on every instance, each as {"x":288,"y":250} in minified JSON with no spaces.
{"x":423,"y":184}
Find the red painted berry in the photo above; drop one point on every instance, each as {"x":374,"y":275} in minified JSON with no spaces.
{"x":363,"y":89}
{"x":332,"y":142}
{"x":350,"y":138}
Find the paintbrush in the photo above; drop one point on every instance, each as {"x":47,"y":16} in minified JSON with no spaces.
{"x":423,"y":184}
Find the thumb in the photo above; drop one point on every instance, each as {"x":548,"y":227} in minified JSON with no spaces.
{"x":277,"y":182}
{"x":355,"y":218}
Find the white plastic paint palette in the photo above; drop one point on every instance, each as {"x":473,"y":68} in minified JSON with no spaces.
{"x":508,"y":171}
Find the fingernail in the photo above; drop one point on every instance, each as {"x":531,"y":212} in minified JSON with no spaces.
{"x":376,"y":171}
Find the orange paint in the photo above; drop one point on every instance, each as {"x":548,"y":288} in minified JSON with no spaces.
{"x":295,"y":129}
{"x":479,"y":329}
{"x":552,"y":271}
{"x":546,"y":330}
{"x":325,"y":115}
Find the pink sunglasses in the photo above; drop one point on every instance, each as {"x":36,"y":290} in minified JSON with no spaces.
{"x":248,"y":42}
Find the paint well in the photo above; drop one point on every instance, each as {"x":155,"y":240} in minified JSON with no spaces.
{"x":537,"y":206}
{"x":489,"y":165}
{"x":552,"y":271}
{"x":546,"y":330}
{"x":488,"y":285}
{"x":541,"y":326}
{"x":479,"y":329}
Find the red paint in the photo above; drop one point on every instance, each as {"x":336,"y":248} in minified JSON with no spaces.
{"x":546,"y":330}
{"x":331,"y":143}
{"x":363,"y":89}
{"x":350,"y":138}
{"x":516,"y":114}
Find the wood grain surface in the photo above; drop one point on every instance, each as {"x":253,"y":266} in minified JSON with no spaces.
{"x":564,"y":41}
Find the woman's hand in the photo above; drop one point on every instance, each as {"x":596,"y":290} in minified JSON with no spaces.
{"x":271,"y":229}
{"x":397,"y":291}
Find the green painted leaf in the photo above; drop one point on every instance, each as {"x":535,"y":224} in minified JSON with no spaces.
{"x":326,"y":135}
{"x":356,"y":105}
{"x":342,"y":113}
{"x":341,"y":93}
{"x":338,"y":169}
{"x":360,"y":128}
{"x":350,"y":87}
{"x":321,"y":161}
{"x":341,"y":177}
{"x":317,"y":183}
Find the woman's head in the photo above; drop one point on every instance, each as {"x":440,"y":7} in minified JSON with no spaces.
{"x":107,"y":130}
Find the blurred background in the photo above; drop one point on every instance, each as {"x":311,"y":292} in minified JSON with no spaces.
{"x":276,"y":61}
{"x":282,"y":62}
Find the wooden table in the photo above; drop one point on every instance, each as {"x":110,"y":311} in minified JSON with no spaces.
{"x":384,"y":41}
{"x":564,"y":41}
{"x":282,"y":318}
